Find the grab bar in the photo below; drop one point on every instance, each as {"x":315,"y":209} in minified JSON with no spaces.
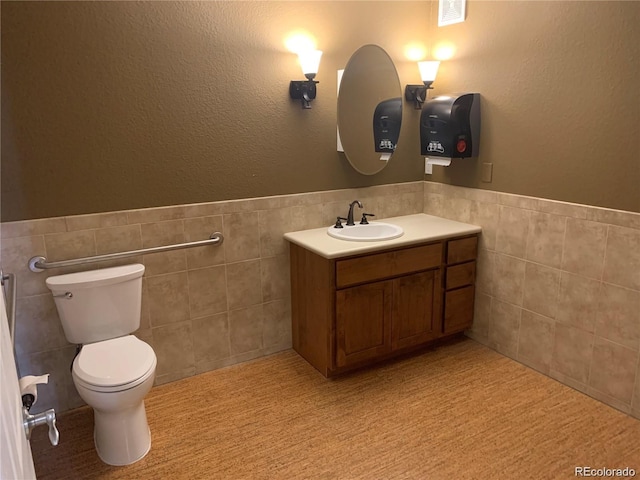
{"x":39,"y":263}
{"x":10,"y":294}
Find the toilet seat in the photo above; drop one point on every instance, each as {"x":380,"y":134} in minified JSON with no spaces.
{"x":114,"y":365}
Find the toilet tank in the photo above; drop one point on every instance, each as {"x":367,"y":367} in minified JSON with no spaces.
{"x":99,"y":304}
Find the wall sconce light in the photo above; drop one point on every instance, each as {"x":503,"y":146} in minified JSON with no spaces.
{"x":305,"y":90}
{"x":418,"y":93}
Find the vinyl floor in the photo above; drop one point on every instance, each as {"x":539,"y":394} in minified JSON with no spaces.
{"x":460,"y":411}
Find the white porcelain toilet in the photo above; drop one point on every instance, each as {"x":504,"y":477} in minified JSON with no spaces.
{"x":114,"y":370}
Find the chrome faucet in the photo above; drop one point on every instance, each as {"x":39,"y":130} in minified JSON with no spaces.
{"x":350,"y":214}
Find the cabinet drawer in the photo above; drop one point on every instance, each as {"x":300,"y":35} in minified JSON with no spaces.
{"x":378,"y":266}
{"x":462,"y":250}
{"x":458,"y":309}
{"x":460,"y":275}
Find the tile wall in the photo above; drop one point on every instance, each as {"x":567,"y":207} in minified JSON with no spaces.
{"x":203,"y":308}
{"x":558,"y":287}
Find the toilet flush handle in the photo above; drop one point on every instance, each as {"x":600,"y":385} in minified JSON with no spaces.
{"x":67,"y":295}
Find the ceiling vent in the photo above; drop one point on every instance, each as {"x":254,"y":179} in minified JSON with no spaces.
{"x":450,"y":11}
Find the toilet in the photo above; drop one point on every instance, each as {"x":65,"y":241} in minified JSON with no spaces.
{"x":114,"y":370}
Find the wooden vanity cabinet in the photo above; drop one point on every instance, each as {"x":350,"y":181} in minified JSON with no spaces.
{"x":352,"y":311}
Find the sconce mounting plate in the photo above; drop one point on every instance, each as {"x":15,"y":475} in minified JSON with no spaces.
{"x":297,"y":88}
{"x":410,"y":92}
{"x":416,"y":94}
{"x":304,"y":90}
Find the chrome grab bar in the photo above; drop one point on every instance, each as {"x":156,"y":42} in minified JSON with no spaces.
{"x":8,"y":282}
{"x":39,"y":263}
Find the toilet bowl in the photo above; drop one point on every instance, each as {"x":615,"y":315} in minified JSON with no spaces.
{"x":113,"y":377}
{"x":114,"y":370}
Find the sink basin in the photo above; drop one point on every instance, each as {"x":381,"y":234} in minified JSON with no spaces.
{"x":373,"y":232}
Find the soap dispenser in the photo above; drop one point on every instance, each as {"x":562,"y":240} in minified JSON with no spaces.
{"x":387,"y":119}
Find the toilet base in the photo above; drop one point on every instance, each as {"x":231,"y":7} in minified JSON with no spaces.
{"x":122,"y":437}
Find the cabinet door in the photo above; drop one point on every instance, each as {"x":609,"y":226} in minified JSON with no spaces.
{"x":416,"y":308}
{"x":363,"y":322}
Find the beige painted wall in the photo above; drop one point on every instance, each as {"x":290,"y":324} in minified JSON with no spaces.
{"x":560,"y":98}
{"x":118,"y":105}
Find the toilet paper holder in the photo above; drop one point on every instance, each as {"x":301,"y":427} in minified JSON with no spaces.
{"x":47,"y":417}
{"x":29,"y":390}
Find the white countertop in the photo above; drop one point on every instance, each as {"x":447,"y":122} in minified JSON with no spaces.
{"x":418,"y":228}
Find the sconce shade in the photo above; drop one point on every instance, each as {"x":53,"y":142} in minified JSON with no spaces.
{"x":310,"y":61}
{"x":428,"y":71}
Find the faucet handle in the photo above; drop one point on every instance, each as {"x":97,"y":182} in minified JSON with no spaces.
{"x":338,"y":223}
{"x":364,"y":220}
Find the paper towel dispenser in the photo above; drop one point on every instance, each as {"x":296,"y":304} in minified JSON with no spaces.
{"x":387,"y":119}
{"x":450,"y":126}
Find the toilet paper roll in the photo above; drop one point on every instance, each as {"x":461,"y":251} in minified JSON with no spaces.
{"x":429,"y":162}
{"x":29,"y":385}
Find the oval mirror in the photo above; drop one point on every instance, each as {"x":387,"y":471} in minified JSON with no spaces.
{"x":369,"y":109}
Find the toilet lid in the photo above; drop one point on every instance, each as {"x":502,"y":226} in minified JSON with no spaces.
{"x":114,"y":362}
